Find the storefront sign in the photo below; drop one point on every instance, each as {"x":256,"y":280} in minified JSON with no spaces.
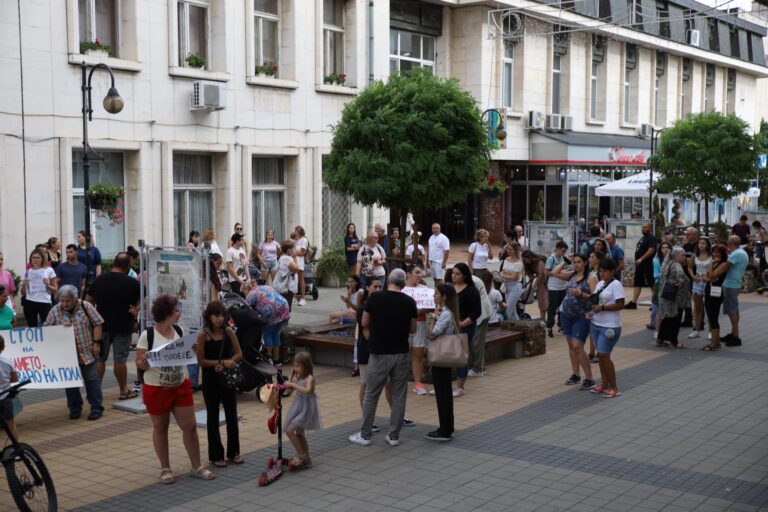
{"x":627,"y":156}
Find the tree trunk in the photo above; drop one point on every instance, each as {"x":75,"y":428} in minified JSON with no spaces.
{"x":403,"y":235}
{"x":698,"y":213}
{"x":706,"y":216}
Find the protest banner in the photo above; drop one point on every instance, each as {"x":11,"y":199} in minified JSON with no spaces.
{"x":45,"y":355}
{"x":424,"y":297}
{"x":179,"y":352}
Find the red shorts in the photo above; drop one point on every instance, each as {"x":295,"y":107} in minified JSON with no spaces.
{"x":161,"y":400}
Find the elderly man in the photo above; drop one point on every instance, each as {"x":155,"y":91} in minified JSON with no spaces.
{"x":86,"y":321}
{"x":438,"y":249}
{"x":617,"y":253}
{"x":734,"y":270}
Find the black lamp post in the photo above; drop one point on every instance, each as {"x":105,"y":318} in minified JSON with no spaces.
{"x":501,"y":132}
{"x":654,"y":136}
{"x":113,"y":104}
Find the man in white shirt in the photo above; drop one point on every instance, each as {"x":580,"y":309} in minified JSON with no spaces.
{"x":437,"y":253}
{"x":237,"y":263}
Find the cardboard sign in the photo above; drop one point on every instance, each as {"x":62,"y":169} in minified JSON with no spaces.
{"x":179,"y":352}
{"x":45,"y":355}
{"x":424,"y":297}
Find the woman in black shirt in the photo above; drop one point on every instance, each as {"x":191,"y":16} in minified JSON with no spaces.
{"x":469,"y":311}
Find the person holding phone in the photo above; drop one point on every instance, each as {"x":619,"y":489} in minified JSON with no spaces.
{"x":38,"y":286}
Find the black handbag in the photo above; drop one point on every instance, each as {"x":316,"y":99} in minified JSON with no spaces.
{"x":669,"y":291}
{"x":230,"y":378}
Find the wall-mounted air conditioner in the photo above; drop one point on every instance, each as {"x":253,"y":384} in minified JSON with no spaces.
{"x":566,"y":123}
{"x":694,"y":38}
{"x":535,"y":120}
{"x":553,"y":122}
{"x":645,"y":130}
{"x":207,"y":95}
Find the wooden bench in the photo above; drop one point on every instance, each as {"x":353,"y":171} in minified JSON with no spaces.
{"x":501,"y":344}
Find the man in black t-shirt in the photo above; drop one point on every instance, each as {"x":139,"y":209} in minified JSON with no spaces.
{"x":116,"y":296}
{"x":389,"y":317}
{"x":646,"y":248}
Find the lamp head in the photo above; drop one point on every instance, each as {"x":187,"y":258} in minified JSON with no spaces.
{"x":113,"y":103}
{"x":501,"y":132}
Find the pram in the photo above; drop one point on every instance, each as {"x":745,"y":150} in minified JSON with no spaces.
{"x":310,"y":287}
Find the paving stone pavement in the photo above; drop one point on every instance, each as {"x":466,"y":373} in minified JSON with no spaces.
{"x":690,"y":432}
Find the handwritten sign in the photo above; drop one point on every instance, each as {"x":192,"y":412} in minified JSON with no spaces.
{"x":179,"y":352}
{"x":424,"y":297}
{"x":45,"y":355}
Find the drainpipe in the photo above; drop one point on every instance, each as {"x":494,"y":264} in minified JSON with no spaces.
{"x":370,"y":42}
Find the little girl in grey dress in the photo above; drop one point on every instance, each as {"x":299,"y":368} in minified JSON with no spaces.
{"x":303,"y":415}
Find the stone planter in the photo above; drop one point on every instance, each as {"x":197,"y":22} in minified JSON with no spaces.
{"x":97,"y":53}
{"x":331,"y":281}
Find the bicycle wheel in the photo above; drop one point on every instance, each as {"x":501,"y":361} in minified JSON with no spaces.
{"x":29,"y":481}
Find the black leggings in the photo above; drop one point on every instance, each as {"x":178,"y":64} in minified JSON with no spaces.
{"x":214,"y":394}
{"x":441,"y":379}
{"x":32,"y":309}
{"x":712,"y":307}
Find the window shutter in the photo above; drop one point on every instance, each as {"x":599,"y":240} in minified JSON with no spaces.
{"x":631,"y":56}
{"x":661,"y":63}
{"x":598,"y":48}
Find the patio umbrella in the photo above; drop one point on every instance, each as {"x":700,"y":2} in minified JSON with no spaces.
{"x":632,"y":186}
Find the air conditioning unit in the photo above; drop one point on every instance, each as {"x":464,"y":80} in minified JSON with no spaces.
{"x":694,"y":38}
{"x":535,"y":120}
{"x":566,"y":123}
{"x":553,"y":122}
{"x":645,"y":130}
{"x":207,"y":95}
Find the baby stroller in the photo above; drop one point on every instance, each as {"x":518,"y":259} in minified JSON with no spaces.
{"x":527,"y":297}
{"x":310,"y":287}
{"x":248,"y":325}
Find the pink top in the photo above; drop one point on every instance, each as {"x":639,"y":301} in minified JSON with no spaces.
{"x":6,"y":279}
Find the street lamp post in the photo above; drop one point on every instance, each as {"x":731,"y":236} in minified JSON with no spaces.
{"x":501,"y":132}
{"x":113,"y":104}
{"x":654,"y":136}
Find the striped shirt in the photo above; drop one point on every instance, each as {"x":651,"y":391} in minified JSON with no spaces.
{"x":83,"y":321}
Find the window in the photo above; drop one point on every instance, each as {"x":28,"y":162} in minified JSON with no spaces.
{"x":108,"y":237}
{"x":597,"y":79}
{"x":508,"y":78}
{"x":98,"y":19}
{"x":266,"y":27}
{"x":268,"y":192}
{"x":714,"y":36}
{"x":686,"y":87}
{"x":630,"y":84}
{"x":709,"y":88}
{"x":730,"y":92}
{"x":333,"y":37}
{"x":192,"y":194}
{"x":560,"y":91}
{"x":734,"y":36}
{"x":660,"y":90}
{"x":408,"y":50}
{"x":556,"y":84}
{"x":193,"y":30}
{"x":662,"y":9}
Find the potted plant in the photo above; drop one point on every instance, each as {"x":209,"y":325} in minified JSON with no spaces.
{"x":107,"y":200}
{"x":335,"y":79}
{"x":194,"y":60}
{"x":491,"y":187}
{"x":95,"y":49}
{"x":332,"y":267}
{"x":267,"y":70}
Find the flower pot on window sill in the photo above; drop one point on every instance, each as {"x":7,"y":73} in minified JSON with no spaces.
{"x":97,"y":53}
{"x":266,"y":75}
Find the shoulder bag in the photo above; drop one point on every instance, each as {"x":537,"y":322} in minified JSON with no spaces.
{"x":449,"y":350}
{"x":669,"y":291}
{"x":230,"y":378}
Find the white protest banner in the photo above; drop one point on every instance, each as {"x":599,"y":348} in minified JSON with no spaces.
{"x":45,"y":355}
{"x":424,"y":297}
{"x":179,"y":352}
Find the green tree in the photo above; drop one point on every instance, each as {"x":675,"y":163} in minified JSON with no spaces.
{"x":705,"y":156}
{"x":416,"y":141}
{"x":761,"y":146}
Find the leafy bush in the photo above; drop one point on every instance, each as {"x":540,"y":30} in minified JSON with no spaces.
{"x":195,"y":61}
{"x":333,"y":263}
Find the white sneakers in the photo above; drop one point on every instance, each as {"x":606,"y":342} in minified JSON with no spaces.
{"x":457,"y":392}
{"x":358,"y":438}
{"x":419,"y":389}
{"x":301,"y":302}
{"x":694,"y":334}
{"x":473,"y":373}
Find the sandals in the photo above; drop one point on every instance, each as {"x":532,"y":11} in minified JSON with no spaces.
{"x":203,"y":473}
{"x":237,"y":459}
{"x":219,"y":463}
{"x":680,"y":346}
{"x":710,"y":348}
{"x":662,"y":344}
{"x":128,"y":395}
{"x":166,"y":476}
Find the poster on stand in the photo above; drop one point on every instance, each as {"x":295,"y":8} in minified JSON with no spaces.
{"x":180,"y":274}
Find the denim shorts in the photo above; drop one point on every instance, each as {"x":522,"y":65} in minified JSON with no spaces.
{"x":271,"y":266}
{"x":731,"y":301}
{"x":576,"y":328}
{"x":604,"y":345}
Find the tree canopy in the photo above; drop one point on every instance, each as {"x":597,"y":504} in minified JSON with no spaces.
{"x":706,"y":156}
{"x":761,"y":146}
{"x":416,"y":141}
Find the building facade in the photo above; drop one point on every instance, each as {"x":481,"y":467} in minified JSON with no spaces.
{"x":238,"y":132}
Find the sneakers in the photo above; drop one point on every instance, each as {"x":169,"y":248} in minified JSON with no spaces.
{"x":733,"y":342}
{"x":611,"y":393}
{"x":391,"y":440}
{"x":408,"y":423}
{"x":587,"y":385}
{"x":473,"y":373}
{"x":419,"y":389}
{"x":597,"y":389}
{"x":709,"y":335}
{"x":573,"y":379}
{"x":137,"y":386}
{"x":435,"y":435}
{"x":550,"y":333}
{"x":74,"y":415}
{"x":694,"y":334}
{"x":431,"y":392}
{"x":301,"y":302}
{"x":631,"y":305}
{"x":457,"y":392}
{"x":95,"y":415}
{"x":375,"y":428}
{"x":358,"y":438}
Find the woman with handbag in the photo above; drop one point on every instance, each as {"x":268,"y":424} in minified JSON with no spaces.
{"x":673,"y":295}
{"x":442,"y":322}
{"x":713,"y":296}
{"x":470,"y":310}
{"x":218,"y":353}
{"x":698,"y":266}
{"x":658,"y":258}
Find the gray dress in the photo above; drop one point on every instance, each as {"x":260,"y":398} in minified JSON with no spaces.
{"x":303,"y":413}
{"x":673,"y":272}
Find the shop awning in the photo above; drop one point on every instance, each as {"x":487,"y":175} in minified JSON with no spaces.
{"x":579,"y":148}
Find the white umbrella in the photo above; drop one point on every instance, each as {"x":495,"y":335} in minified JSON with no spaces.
{"x":632,"y":186}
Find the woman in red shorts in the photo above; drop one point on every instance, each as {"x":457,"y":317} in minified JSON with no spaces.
{"x":167,"y":390}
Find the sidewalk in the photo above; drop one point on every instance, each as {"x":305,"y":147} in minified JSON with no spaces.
{"x":689,"y":433}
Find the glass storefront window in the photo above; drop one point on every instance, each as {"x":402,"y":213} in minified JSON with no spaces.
{"x":536,"y":174}
{"x":554,"y":202}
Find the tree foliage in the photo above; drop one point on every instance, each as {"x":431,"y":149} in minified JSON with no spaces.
{"x":761,"y":146}
{"x":706,"y":156}
{"x":416,"y":141}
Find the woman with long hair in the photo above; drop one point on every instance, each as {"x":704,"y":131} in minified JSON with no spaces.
{"x":478,"y":253}
{"x":194,"y":239}
{"x":535,"y":268}
{"x":698,"y":266}
{"x":213,"y":276}
{"x":671,"y":308}
{"x":593,"y":263}
{"x":53,"y":251}
{"x":351,"y":246}
{"x":6,"y":279}
{"x":417,"y":340}
{"x":713,"y":295}
{"x":470,"y":310}
{"x":512,"y":272}
{"x":38,"y":286}
{"x":267,"y":254}
{"x":605,"y":326}
{"x":350,"y":300}
{"x":302,"y":258}
{"x":444,"y":320}
{"x":210,"y":236}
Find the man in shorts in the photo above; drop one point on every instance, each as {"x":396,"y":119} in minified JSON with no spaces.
{"x":646,"y":248}
{"x":116,"y":296}
{"x":734,"y":270}
{"x":438,"y":249}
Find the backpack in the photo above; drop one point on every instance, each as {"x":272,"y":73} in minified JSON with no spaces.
{"x":151,"y":335}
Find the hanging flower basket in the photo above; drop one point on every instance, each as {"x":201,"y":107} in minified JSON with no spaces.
{"x":107,"y":200}
{"x":491,"y":187}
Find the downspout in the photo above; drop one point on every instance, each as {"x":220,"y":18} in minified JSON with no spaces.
{"x":370,"y":82}
{"x":23,"y":127}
